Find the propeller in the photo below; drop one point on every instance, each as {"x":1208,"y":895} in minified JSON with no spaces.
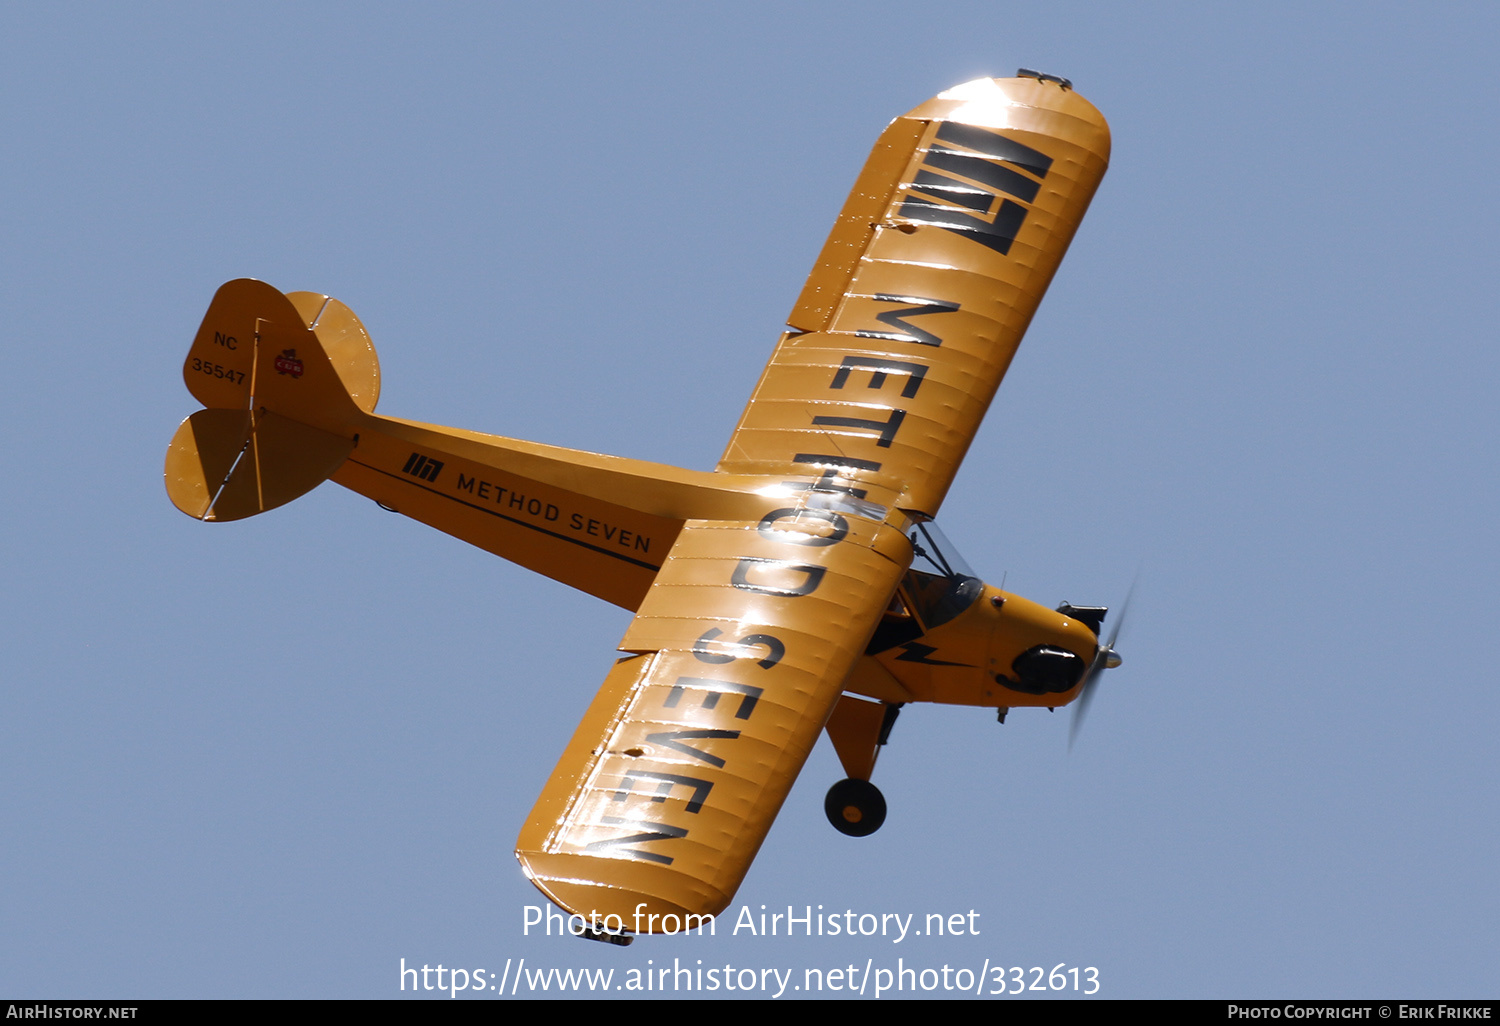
{"x":1106,"y":659}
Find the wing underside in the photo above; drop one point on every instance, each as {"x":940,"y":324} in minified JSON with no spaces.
{"x":671,"y":782}
{"x":535,"y":506}
{"x":922,"y":293}
{"x":753,"y":625}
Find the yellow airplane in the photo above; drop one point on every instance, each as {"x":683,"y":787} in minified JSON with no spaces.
{"x":799,"y":586}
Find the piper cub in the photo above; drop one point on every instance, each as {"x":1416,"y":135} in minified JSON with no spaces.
{"x":799,"y":586}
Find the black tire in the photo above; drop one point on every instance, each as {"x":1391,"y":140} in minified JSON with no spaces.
{"x":855,"y":807}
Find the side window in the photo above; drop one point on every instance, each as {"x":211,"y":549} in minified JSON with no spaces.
{"x":898,"y":625}
{"x":936,"y":600}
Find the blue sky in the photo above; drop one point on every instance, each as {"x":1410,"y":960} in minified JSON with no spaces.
{"x":275,"y":757}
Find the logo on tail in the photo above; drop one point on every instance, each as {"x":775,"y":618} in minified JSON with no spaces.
{"x":287,"y":363}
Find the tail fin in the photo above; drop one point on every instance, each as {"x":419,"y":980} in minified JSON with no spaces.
{"x":285,"y":379}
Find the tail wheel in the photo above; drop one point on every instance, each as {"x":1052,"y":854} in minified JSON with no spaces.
{"x":855,"y":807}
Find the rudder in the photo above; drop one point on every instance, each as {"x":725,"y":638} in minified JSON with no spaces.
{"x":285,"y":379}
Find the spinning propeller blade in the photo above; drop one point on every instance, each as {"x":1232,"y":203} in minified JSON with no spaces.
{"x":1106,"y":659}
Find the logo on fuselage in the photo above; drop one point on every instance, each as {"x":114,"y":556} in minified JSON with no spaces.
{"x":424,"y":467}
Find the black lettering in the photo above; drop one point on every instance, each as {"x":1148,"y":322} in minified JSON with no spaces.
{"x":775,"y":650}
{"x":674,"y":739}
{"x":905,"y":331}
{"x":915,"y":372}
{"x":534,"y":507}
{"x":658,"y":832}
{"x":484,"y":489}
{"x":227,"y":341}
{"x":714,"y":689}
{"x":768,"y":531}
{"x":741,"y":577}
{"x":827,"y":482}
{"x":517,"y":501}
{"x":470,"y":485}
{"x":664,"y":784}
{"x":886,"y":429}
{"x":704,"y":653}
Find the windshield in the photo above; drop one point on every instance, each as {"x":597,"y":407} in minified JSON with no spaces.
{"x":935,"y":554}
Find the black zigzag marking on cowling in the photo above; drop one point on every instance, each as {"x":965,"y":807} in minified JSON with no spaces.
{"x":916,"y":652}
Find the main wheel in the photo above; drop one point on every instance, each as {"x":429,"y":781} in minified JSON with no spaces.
{"x":855,"y":807}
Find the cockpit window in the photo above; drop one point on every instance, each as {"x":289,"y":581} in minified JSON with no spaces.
{"x":936,"y":589}
{"x":934,"y":553}
{"x":939,"y":599}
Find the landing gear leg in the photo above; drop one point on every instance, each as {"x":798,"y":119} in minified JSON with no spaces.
{"x":855,"y":807}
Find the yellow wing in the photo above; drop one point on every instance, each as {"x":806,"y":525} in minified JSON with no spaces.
{"x":924,"y":289}
{"x":751,"y":629}
{"x":671,"y":782}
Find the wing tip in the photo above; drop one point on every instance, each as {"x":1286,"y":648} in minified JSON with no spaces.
{"x":580,"y":886}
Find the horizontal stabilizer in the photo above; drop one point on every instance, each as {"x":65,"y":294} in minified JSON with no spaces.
{"x":285,"y":379}
{"x":220,"y":467}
